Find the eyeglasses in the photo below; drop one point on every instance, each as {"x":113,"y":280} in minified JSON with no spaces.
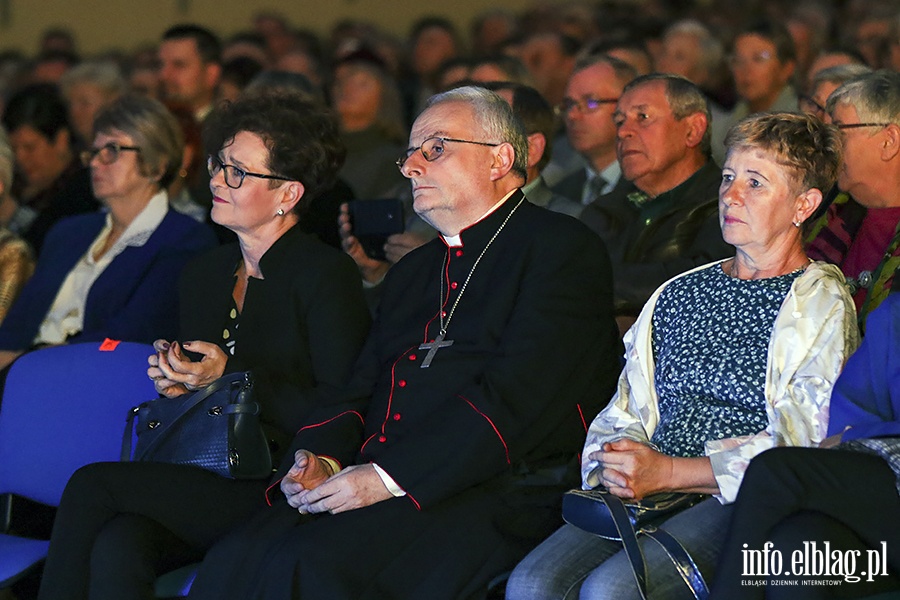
{"x":588,"y":105}
{"x":858,"y":125}
{"x":234,"y":176}
{"x":433,"y":148}
{"x":808,"y":104}
{"x":107,"y":154}
{"x":759,"y":58}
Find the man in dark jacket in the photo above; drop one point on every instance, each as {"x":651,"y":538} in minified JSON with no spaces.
{"x":672,"y":222}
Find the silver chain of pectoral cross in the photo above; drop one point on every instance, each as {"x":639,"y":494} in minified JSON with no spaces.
{"x":439,"y":342}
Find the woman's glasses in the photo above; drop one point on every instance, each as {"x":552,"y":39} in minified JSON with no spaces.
{"x":107,"y":154}
{"x":234,"y":176}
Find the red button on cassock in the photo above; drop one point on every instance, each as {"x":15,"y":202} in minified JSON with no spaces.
{"x":402,"y":383}
{"x":412,"y":357}
{"x":382,"y":438}
{"x":459,"y":253}
{"x":397,"y":416}
{"x":454,"y":285}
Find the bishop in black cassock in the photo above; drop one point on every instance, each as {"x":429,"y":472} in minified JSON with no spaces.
{"x":475,"y":448}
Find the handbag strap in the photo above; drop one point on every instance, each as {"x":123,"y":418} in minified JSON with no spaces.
{"x":193,"y":400}
{"x":684,"y":564}
{"x":629,"y":541}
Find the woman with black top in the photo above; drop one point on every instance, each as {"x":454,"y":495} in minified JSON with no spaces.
{"x":278,"y":303}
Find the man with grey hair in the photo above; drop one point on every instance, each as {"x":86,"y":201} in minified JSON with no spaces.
{"x":671,"y":223}
{"x":490,"y":343}
{"x":826,"y":81}
{"x":865,"y":242}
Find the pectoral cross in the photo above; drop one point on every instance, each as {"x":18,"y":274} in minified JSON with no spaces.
{"x":432,"y":347}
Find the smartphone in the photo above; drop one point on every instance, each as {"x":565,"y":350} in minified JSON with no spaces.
{"x":373,"y":221}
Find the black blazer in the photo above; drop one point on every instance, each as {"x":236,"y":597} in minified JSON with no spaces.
{"x":300,"y":330}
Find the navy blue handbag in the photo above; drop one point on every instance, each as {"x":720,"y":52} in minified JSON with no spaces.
{"x":216,"y":428}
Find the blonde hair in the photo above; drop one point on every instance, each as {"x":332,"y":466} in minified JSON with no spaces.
{"x":809,"y":148}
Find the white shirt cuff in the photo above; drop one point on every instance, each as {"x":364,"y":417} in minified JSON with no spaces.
{"x":389,"y":482}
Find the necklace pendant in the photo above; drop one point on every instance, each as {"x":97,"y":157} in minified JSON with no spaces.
{"x":432,"y":347}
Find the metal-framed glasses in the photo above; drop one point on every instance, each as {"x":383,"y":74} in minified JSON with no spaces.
{"x":433,"y":148}
{"x":757,"y":58}
{"x":588,"y":105}
{"x":234,"y":176}
{"x":858,"y":125}
{"x":808,"y":104}
{"x":107,"y":154}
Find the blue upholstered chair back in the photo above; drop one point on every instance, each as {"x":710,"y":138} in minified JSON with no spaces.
{"x":63,"y":407}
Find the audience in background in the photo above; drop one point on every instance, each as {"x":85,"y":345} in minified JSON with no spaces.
{"x":190,"y":67}
{"x":16,"y":262}
{"x":763,"y":62}
{"x":246,"y":44}
{"x":51,"y":65}
{"x":367,"y":102}
{"x":113,"y":274}
{"x":491,"y":30}
{"x":237,"y":73}
{"x":832,"y":58}
{"x":50,"y":181}
{"x":538,"y":119}
{"x":499,"y":67}
{"x":550,"y":58}
{"x":823,"y":83}
{"x":433,"y":41}
{"x":691,"y":50}
{"x":587,"y":110}
{"x":88,"y":88}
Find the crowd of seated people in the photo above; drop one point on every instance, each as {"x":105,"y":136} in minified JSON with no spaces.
{"x":736,"y":172}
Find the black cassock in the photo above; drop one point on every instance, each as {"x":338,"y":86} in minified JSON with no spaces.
{"x":484,"y":441}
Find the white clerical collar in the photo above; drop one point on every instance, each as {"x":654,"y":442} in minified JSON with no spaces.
{"x":456,"y":240}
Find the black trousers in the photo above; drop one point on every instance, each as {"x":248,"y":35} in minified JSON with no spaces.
{"x":794,"y":497}
{"x":119,"y":525}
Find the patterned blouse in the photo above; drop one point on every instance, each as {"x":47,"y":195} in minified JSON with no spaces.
{"x":710,"y":342}
{"x":813,"y":333}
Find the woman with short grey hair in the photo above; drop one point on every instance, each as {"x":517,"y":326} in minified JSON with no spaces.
{"x":113,"y":273}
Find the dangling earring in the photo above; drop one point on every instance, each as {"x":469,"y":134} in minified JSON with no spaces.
{"x":280,"y":212}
